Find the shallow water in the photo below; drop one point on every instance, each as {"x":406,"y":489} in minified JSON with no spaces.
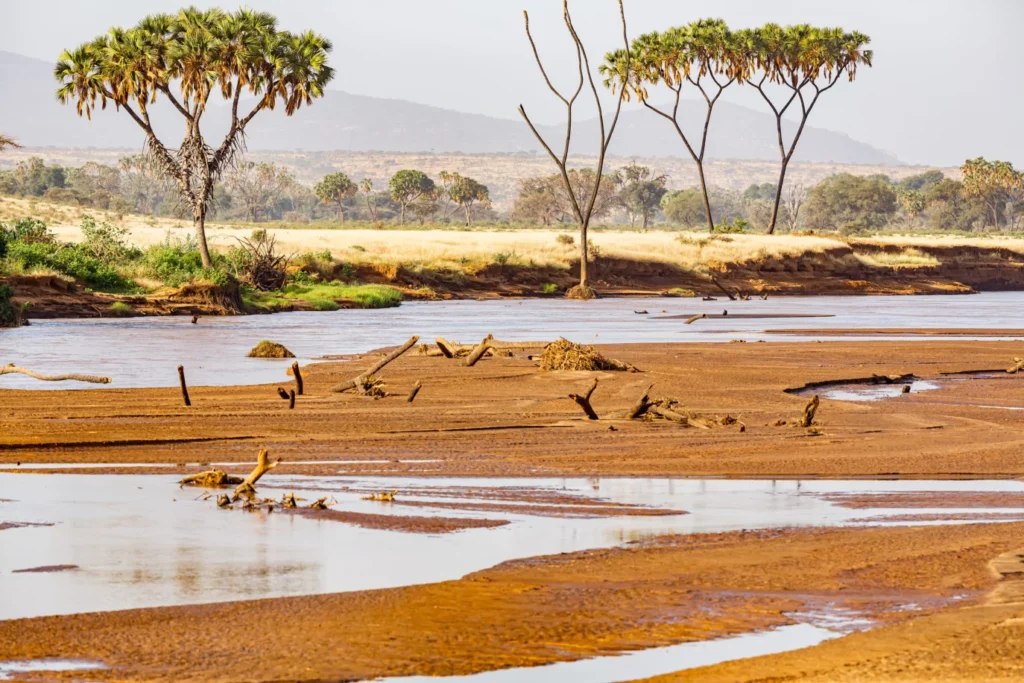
{"x":863,"y":392}
{"x":653,"y":661}
{"x":140,"y":541}
{"x":36,"y":666}
{"x":145,"y":352}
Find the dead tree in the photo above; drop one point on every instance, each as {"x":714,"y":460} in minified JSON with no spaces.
{"x":642,"y":404}
{"x":11,"y":368}
{"x":291,"y":399}
{"x":583,"y":210}
{"x":361,"y":379}
{"x":282,"y":393}
{"x":479,"y":350}
{"x":415,"y":390}
{"x":584,"y":401}
{"x":263,"y":465}
{"x":298,"y":378}
{"x":184,"y":387}
{"x":807,"y":419}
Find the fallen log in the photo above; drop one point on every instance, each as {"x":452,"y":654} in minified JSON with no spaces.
{"x":282,"y":393}
{"x":263,"y":465}
{"x":807,"y":419}
{"x":11,"y":368}
{"x":361,"y":379}
{"x":447,"y":348}
{"x":478,"y":352}
{"x":415,"y":390}
{"x":694,"y":318}
{"x":1018,"y":365}
{"x":732,"y":297}
{"x":184,"y":387}
{"x":642,"y":404}
{"x":298,"y":378}
{"x":584,"y":401}
{"x":210,"y":479}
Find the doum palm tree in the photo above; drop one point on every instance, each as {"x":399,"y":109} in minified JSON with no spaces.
{"x":186,"y":58}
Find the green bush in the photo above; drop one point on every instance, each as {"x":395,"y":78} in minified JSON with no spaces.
{"x":120,"y":309}
{"x":71,"y":260}
{"x":549,"y":288}
{"x":107,"y":242}
{"x":8,"y":316}
{"x":178,"y":263}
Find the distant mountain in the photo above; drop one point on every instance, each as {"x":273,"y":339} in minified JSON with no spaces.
{"x":342,"y":121}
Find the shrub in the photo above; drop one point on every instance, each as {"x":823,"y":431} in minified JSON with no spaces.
{"x":106,"y":242}
{"x":8,"y":314}
{"x":120,"y":309}
{"x":28,"y":230}
{"x":325,"y":256}
{"x":549,"y":288}
{"x":565,"y":240}
{"x":70,"y":260}
{"x":176,"y":263}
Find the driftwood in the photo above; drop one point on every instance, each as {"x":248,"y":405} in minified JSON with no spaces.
{"x":584,"y":401}
{"x":263,"y":465}
{"x":643,"y":312}
{"x":415,"y":390}
{"x":288,"y":500}
{"x":447,"y":348}
{"x":642,"y":404}
{"x":478,"y":352}
{"x":383,"y":496}
{"x":94,"y":379}
{"x":891,"y":379}
{"x":298,"y":378}
{"x":195,"y":319}
{"x":282,"y":393}
{"x":210,"y":479}
{"x":291,"y":399}
{"x":807,"y":419}
{"x":361,"y":379}
{"x":1018,"y":365}
{"x":184,"y":387}
{"x":694,"y":318}
{"x":732,"y":297}
{"x":223,"y":500}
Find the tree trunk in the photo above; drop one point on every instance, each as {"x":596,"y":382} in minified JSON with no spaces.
{"x":704,"y":193}
{"x":341,"y":213}
{"x":644,"y":228}
{"x":778,"y":197}
{"x":402,"y":219}
{"x":199,"y":222}
{"x":467,"y":215}
{"x":583,"y":256}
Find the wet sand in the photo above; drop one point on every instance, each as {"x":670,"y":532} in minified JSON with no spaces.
{"x":671,"y":590}
{"x":504,"y":417}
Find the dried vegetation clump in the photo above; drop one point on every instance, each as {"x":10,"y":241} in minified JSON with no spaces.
{"x":566,"y":355}
{"x":269,"y":349}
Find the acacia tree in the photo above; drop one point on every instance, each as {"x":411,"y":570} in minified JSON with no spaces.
{"x":582,"y":211}
{"x":466,"y":192}
{"x":407,"y":186}
{"x":996,"y":183}
{"x":335,"y":188}
{"x":641,"y":193}
{"x":803,"y":62}
{"x":6,"y":142}
{"x":366,"y":187}
{"x":259,"y":186}
{"x":702,"y":54}
{"x":186,"y":58}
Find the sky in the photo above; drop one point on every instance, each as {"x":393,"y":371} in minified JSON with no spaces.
{"x":947,"y":84}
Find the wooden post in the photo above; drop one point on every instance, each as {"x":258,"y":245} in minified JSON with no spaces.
{"x":291,"y":399}
{"x":298,"y":377}
{"x":415,"y":390}
{"x":184,"y":387}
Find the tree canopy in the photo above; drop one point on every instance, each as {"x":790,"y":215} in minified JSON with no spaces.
{"x":335,"y":188}
{"x":187,"y":58}
{"x":407,"y":186}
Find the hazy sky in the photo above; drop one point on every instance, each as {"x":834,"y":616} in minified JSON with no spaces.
{"x":948,"y":81}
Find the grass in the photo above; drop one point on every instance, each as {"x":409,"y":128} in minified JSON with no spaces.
{"x":908,"y":258}
{"x":323,"y":297}
{"x":120,"y":309}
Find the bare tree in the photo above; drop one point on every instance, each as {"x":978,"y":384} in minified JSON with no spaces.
{"x":582,"y":211}
{"x":795,"y":197}
{"x":259,"y":186}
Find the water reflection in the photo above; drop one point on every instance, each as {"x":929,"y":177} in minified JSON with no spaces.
{"x":140,"y":541}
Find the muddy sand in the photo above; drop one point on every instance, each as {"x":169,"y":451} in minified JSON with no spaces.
{"x":504,"y":417}
{"x":933,"y":590}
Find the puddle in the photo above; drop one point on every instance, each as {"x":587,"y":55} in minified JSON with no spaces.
{"x":213,"y":352}
{"x":859,"y":391}
{"x":11,"y":667}
{"x":140,"y":541}
{"x":657,"y":661}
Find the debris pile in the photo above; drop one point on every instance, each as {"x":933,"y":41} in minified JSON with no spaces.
{"x":566,"y":355}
